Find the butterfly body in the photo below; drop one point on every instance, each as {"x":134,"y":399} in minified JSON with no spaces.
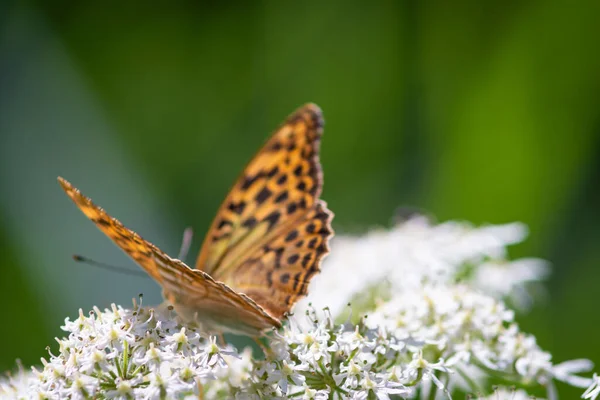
{"x":263,"y":247}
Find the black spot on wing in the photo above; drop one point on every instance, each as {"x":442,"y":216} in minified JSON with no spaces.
{"x":102,"y":221}
{"x":276,"y":146}
{"x":273,"y":218}
{"x":250,"y":223}
{"x":250,"y":180}
{"x":297,"y":278}
{"x":278,"y":254}
{"x":306,"y":259}
{"x":263,"y":195}
{"x":283,"y":196}
{"x":223,"y":223}
{"x":291,"y":208}
{"x":291,"y":236}
{"x":237,"y":208}
{"x":282,"y":179}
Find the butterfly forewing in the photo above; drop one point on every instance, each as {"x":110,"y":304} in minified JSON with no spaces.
{"x":194,"y":293}
{"x":130,"y":242}
{"x":278,"y":190}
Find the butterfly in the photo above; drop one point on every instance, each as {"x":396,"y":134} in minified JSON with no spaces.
{"x":264,"y":246}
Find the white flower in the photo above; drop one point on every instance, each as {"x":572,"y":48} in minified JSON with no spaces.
{"x":18,"y":384}
{"x":593,"y":391}
{"x":381,"y":387}
{"x":283,"y":373}
{"x":509,"y":394}
{"x":313,"y":394}
{"x":212,"y":354}
{"x":500,"y":278}
{"x":565,"y":372}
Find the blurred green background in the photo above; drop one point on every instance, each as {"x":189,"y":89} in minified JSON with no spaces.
{"x":479,"y":111}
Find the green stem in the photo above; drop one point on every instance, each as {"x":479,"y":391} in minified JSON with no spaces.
{"x":125,"y":360}
{"x":473,"y":386}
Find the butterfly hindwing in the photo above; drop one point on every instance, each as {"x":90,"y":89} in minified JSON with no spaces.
{"x":285,"y":266}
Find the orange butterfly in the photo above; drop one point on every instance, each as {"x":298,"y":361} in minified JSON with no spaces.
{"x":264,"y":245}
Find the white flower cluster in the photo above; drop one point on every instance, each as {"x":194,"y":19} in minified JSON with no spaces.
{"x":424,"y":282}
{"x":123,"y":353}
{"x":442,"y":341}
{"x":474,"y":336}
{"x":325,"y":360}
{"x":143,"y":353}
{"x":418,"y":251}
{"x":420,"y":327}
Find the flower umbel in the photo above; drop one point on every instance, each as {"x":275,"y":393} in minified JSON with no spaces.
{"x":128,"y":353}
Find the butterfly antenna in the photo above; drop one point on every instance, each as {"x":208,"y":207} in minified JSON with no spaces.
{"x":121,"y":270}
{"x":186,"y":242}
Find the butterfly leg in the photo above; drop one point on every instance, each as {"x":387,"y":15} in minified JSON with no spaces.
{"x":222,"y":340}
{"x":186,"y":242}
{"x":266,"y":351}
{"x":200,"y":390}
